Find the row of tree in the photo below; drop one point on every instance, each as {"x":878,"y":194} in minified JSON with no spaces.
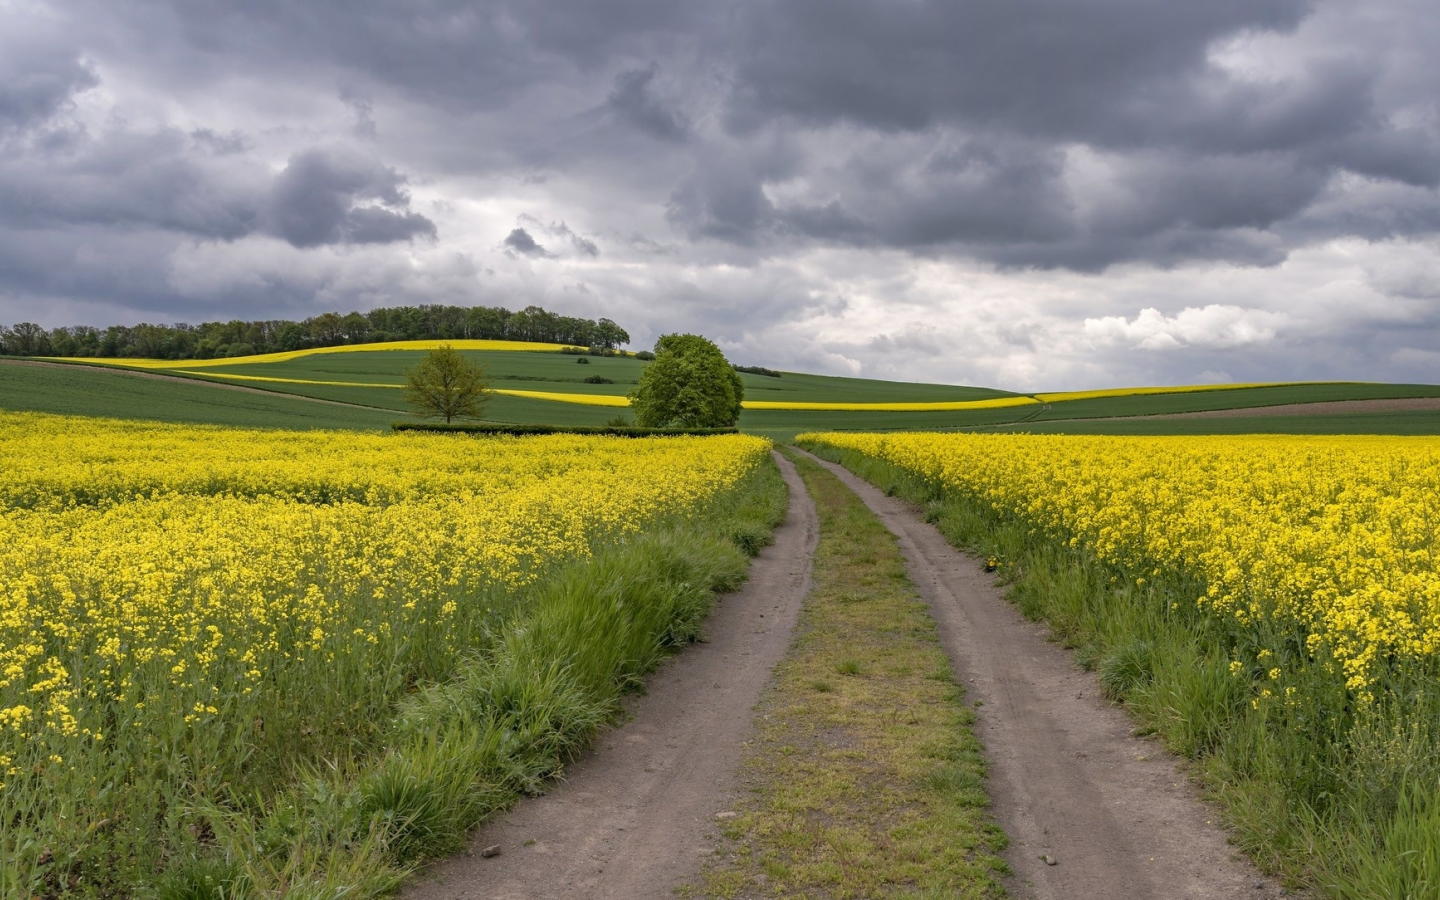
{"x":211,"y":340}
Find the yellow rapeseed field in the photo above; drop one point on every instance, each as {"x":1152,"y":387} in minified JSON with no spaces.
{"x":184,"y":591}
{"x":1321,"y":546}
{"x":287,"y":355}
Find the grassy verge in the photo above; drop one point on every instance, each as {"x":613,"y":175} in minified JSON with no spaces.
{"x":866,"y":780}
{"x":1341,"y":801}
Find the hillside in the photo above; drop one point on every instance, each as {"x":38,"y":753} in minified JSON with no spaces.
{"x":534,"y":383}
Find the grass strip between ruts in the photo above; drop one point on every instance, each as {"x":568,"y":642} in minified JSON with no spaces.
{"x":865,"y":778}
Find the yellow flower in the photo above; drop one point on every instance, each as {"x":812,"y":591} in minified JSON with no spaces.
{"x":1331,"y":540}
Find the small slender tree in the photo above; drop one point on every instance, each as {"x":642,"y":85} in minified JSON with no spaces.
{"x":689,"y":385}
{"x":446,"y":384}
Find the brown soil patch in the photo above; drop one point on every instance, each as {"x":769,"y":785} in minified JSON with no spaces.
{"x":1324,"y":408}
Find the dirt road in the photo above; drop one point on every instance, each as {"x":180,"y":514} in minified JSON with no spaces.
{"x":1112,"y":813}
{"x":632,"y":819}
{"x":1068,"y":780}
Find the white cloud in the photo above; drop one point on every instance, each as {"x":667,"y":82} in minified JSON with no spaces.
{"x":1215,"y":326}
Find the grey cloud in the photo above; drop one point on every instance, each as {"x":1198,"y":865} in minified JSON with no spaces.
{"x":221,"y":144}
{"x":520,"y":241}
{"x":634,"y":103}
{"x":128,"y":180}
{"x":37,"y":81}
{"x":454,"y":53}
{"x":922,"y":341}
{"x":206,"y":186}
{"x":726,"y":205}
{"x":1130,"y":78}
{"x":723,"y":197}
{"x":1009,"y":201}
{"x":314,"y":202}
{"x":1029,"y":79}
{"x":1041,"y":66}
{"x":923,"y":135}
{"x":578,"y":242}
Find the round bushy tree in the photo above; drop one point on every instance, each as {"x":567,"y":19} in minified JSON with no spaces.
{"x":689,"y":385}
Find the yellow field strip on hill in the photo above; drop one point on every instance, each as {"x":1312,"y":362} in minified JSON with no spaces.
{"x":1062,"y":396}
{"x":582,"y":399}
{"x":621,"y":401}
{"x":133,"y":363}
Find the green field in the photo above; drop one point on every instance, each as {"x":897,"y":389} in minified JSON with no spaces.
{"x":559,"y":372}
{"x":373,"y":379}
{"x":86,"y":391}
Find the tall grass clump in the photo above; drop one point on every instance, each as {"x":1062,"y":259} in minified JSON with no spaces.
{"x":1333,"y":781}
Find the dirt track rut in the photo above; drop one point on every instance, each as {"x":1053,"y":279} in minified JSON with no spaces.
{"x":1068,"y":779}
{"x":633,"y":817}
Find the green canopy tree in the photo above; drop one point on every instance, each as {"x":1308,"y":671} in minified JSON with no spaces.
{"x":689,"y":385}
{"x":446,"y":385}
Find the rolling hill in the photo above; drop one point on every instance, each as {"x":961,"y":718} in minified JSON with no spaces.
{"x":535,"y":383}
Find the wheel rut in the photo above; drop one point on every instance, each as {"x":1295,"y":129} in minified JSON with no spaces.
{"x":1113,"y":813}
{"x":633,"y":818}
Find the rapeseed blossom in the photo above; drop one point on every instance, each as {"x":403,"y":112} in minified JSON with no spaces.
{"x":194,"y":590}
{"x":1325,"y":544}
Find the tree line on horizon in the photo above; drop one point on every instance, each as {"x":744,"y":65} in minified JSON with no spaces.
{"x":235,"y":338}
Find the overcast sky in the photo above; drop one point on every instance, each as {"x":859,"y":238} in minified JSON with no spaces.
{"x":1025,"y":194}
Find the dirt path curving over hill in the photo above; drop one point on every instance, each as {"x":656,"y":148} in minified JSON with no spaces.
{"x":1320,"y":408}
{"x":631,"y":820}
{"x":1068,"y":780}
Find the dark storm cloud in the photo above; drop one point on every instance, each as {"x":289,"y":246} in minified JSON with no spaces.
{"x":578,"y":242}
{"x":456,"y":53}
{"x":202,"y":186}
{"x":37,"y":80}
{"x":634,"y":102}
{"x":264,"y":154}
{"x":127,"y":180}
{"x":932,"y":126}
{"x":520,"y":241}
{"x":1048,"y":67}
{"x":1130,"y":78}
{"x":315,"y":202}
